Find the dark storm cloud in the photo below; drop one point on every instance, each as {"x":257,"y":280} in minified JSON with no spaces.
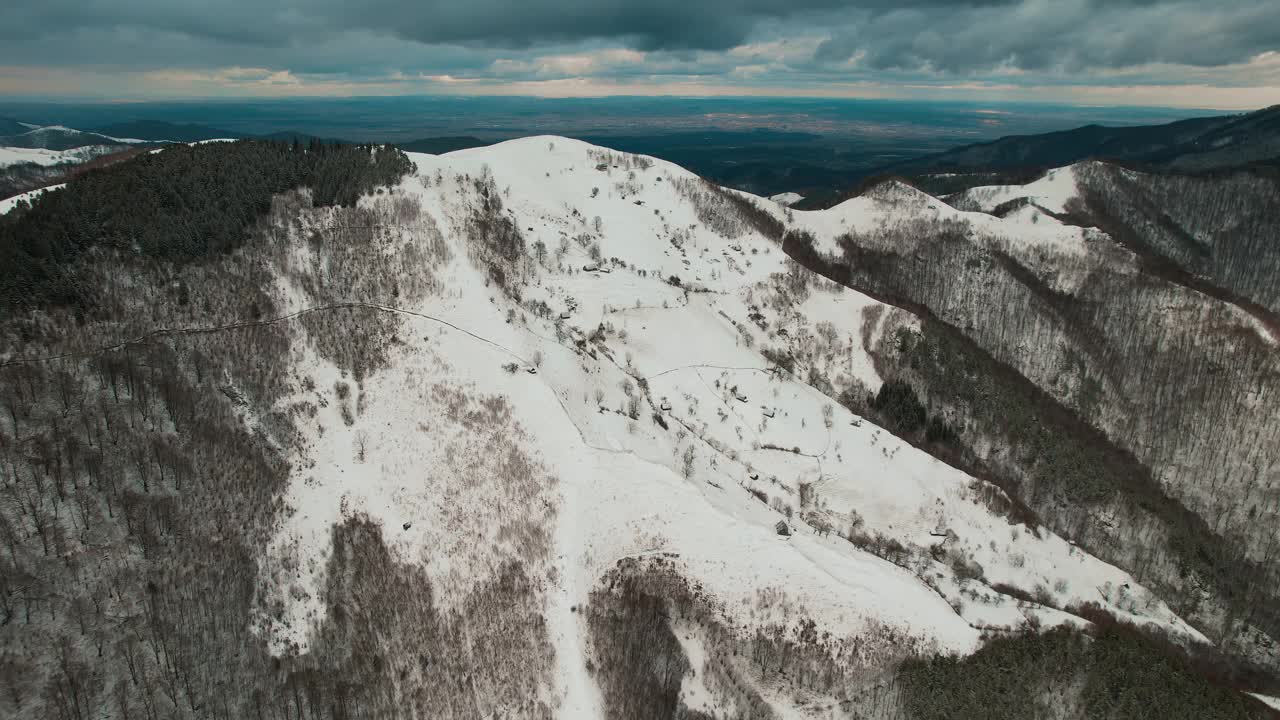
{"x":655,"y":25}
{"x":1071,"y":35}
{"x":844,"y":39}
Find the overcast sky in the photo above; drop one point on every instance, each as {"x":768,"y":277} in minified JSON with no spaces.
{"x":1188,"y":53}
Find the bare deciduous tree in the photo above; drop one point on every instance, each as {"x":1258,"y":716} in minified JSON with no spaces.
{"x":362,"y":444}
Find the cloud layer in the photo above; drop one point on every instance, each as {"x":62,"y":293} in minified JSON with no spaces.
{"x":151,"y":47}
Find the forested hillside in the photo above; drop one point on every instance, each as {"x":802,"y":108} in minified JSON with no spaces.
{"x":1218,"y":233}
{"x":184,"y":203}
{"x":1123,"y":405}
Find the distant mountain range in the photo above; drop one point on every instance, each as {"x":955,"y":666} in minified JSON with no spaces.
{"x":22,"y":135}
{"x":158,"y":130}
{"x":53,"y":137}
{"x":796,"y":162}
{"x":9,"y":126}
{"x":34,"y":156}
{"x":1195,"y":145}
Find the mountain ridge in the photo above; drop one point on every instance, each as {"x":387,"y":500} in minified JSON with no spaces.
{"x":1196,"y":145}
{"x":159,"y":130}
{"x":400,"y":482}
{"x":1157,"y":144}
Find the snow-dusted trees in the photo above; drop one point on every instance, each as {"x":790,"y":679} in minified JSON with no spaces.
{"x":688,"y":460}
{"x":1117,"y":393}
{"x":494,"y":240}
{"x":644,"y":611}
{"x":1220,"y":227}
{"x":726,"y":212}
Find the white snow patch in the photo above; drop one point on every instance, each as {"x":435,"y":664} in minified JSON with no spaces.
{"x":693,"y":691}
{"x":10,"y":203}
{"x":1052,"y":191}
{"x":40,"y":156}
{"x":63,"y":129}
{"x":1268,"y":700}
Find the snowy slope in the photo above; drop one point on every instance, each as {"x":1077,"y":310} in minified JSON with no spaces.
{"x":9,"y":203}
{"x":1052,"y":191}
{"x":890,"y":204}
{"x":41,"y":156}
{"x":745,"y":446}
{"x":1269,"y":701}
{"x":50,"y":134}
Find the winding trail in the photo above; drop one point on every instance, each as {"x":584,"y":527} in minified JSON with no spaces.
{"x":162,"y":332}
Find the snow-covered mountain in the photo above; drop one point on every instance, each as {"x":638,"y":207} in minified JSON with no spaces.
{"x":651,"y":318}
{"x":34,"y":156}
{"x":39,"y":156}
{"x":565,"y":432}
{"x":59,"y":137}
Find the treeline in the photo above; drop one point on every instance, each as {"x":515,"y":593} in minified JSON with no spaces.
{"x":726,"y":212}
{"x":641,"y":609}
{"x":901,"y":410}
{"x":1116,"y":673}
{"x":644,"y":611}
{"x":494,"y":240}
{"x":182,"y":203}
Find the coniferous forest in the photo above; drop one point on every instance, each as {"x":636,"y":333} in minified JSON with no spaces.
{"x":184,"y":203}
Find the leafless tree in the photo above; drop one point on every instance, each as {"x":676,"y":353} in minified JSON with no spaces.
{"x":362,"y":444}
